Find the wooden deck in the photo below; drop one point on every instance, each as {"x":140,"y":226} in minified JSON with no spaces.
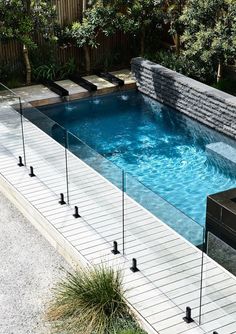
{"x":170,"y":267}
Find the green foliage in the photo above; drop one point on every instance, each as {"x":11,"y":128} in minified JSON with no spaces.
{"x":14,"y":82}
{"x":227,"y":85}
{"x":21,"y":19}
{"x":141,"y":13}
{"x":128,"y":327}
{"x":130,"y":331}
{"x":4,"y":71}
{"x":167,"y":59}
{"x":182,"y":64}
{"x":46,"y":54}
{"x":98,"y":19}
{"x":67,"y":68}
{"x":174,"y":9}
{"x":210,"y":32}
{"x":45,"y":72}
{"x":110,"y":60}
{"x":142,"y":18}
{"x":10,"y":75}
{"x":55,"y":71}
{"x":90,"y":301}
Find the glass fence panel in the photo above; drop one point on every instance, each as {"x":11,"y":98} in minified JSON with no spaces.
{"x":165,"y":211}
{"x":165,"y":255}
{"x":219,"y":285}
{"x":11,"y":123}
{"x":96,"y":191}
{"x":46,"y":154}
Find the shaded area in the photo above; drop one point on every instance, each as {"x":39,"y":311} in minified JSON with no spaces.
{"x":222,"y":253}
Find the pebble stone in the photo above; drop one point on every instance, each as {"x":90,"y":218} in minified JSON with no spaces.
{"x":29,"y":268}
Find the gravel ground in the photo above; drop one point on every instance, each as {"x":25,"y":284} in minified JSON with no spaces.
{"x":29,"y":267}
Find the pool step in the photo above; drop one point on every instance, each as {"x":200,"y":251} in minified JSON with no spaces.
{"x":54,"y":87}
{"x":89,"y":86}
{"x":111,"y":78}
{"x":223,"y":156}
{"x":75,"y":88}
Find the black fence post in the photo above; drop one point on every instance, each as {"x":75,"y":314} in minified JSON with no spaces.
{"x":20,"y":163}
{"x":115,"y":248}
{"x":31,"y":174}
{"x":62,"y":200}
{"x":76,"y":214}
{"x":134,"y":267}
{"x":188,"y":317}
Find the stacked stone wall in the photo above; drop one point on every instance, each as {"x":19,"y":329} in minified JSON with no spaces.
{"x":203,"y":103}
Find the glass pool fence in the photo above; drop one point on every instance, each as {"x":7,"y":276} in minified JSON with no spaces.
{"x":122,"y":210}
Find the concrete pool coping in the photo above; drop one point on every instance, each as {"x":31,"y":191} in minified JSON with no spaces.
{"x":150,"y":293}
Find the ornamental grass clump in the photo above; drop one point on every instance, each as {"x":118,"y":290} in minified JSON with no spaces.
{"x":89,"y":301}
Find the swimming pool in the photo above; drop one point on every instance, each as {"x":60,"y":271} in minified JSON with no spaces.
{"x":158,"y":146}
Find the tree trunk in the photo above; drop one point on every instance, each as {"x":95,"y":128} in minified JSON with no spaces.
{"x":28,"y":6}
{"x":176,"y":39}
{"x":87,"y":59}
{"x":142,"y":42}
{"x":27,"y":65}
{"x":219,"y":72}
{"x":84,"y":5}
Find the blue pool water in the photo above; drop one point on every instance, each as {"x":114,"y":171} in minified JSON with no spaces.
{"x":163,"y":149}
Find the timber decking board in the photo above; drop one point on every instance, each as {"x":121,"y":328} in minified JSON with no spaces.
{"x":170,"y":268}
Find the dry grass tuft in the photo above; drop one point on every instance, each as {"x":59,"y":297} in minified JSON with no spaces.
{"x":89,"y":301}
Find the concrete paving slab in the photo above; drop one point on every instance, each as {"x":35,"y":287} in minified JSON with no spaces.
{"x":71,"y":86}
{"x":125,"y":75}
{"x":35,"y":92}
{"x":99,"y":82}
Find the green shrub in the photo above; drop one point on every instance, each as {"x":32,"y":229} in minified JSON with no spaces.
{"x":127,"y":325}
{"x":67,"y":69}
{"x":227,"y":85}
{"x":54,"y":71}
{"x":90,"y":301}
{"x":12,"y":76}
{"x":180,"y":63}
{"x":47,"y":72}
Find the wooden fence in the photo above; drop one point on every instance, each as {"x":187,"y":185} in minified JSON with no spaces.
{"x":67,"y":12}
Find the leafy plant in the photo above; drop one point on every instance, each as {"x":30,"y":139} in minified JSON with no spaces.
{"x":185,"y":65}
{"x":47,"y":72}
{"x":89,"y":301}
{"x":209,"y":38}
{"x":55,"y":71}
{"x":67,"y":69}
{"x":44,"y":55}
{"x":20,"y":20}
{"x":140,"y":17}
{"x":227,"y":85}
{"x":12,"y":76}
{"x":99,"y":19}
{"x":131,"y":331}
